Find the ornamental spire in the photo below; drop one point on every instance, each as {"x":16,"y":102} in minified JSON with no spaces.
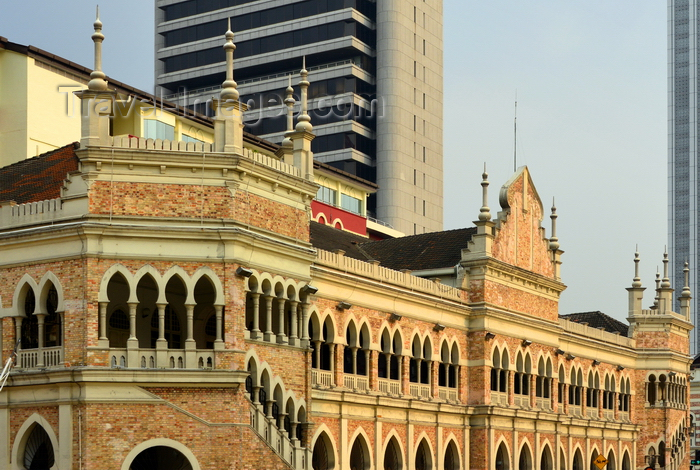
{"x":97,"y":77}
{"x":228,"y":88}
{"x":485,"y":212}
{"x":304,"y":120}
{"x":553,"y":240}
{"x":289,"y":101}
{"x":637,"y":281}
{"x":686,"y":281}
{"x":665,"y":282}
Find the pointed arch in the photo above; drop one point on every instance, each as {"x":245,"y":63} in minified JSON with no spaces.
{"x":452,"y":458}
{"x":178,"y":272}
{"x":424,"y":455}
{"x":161,"y":442}
{"x":546,"y":457}
{"x":107,"y":276}
{"x":324,"y":454}
{"x":360,"y":455}
{"x":47,"y":281}
{"x":502,"y":456}
{"x":525,"y":456}
{"x":213,"y":278}
{"x":23,"y":436}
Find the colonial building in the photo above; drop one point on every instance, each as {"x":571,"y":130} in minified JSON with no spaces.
{"x":173,"y":305}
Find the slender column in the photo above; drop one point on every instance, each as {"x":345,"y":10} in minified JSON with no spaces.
{"x":281,"y":337}
{"x":190,"y":343}
{"x":161,"y":326}
{"x":616,"y":406}
{"x":219,"y":341}
{"x":18,"y":331}
{"x":304,"y":324}
{"x":268,"y":411}
{"x":103,"y":322}
{"x":354,"y":360}
{"x":293,"y":332}
{"x":255,"y":333}
{"x":657,"y":395}
{"x":267,"y":336}
{"x":132,"y":342}
{"x":317,"y":353}
{"x":293,"y":433}
{"x":190,"y":325}
{"x":404,"y":375}
{"x":256,"y":395}
{"x":281,"y":419}
{"x":40,"y":317}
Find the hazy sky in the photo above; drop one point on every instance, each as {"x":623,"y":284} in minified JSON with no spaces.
{"x":590,"y":78}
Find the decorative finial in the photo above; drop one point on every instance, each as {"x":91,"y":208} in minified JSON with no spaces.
{"x":485,"y":212}
{"x":658,"y":282}
{"x":97,"y":77}
{"x":665,"y":281}
{"x":228,"y":88}
{"x":289,"y":101}
{"x":553,"y":240}
{"x":637,"y":281}
{"x":304,"y":120}
{"x":686,"y":280}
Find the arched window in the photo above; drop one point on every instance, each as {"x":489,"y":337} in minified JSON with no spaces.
{"x":546,"y":460}
{"x":321,"y":342}
{"x":651,"y":390}
{"x":561,"y":387}
{"x":30,"y":324}
{"x":322,"y":457}
{"x":451,"y":461}
{"x":525,"y":459}
{"x":38,"y":451}
{"x":594,"y":455}
{"x":502,"y":458}
{"x":521,"y":383}
{"x":161,"y":458}
{"x":611,"y":461}
{"x":424,"y":460}
{"x":356,"y":354}
{"x":389,"y":361}
{"x":392,"y":456}
{"x":448,"y":370}
{"x":626,"y":465}
{"x":578,"y":460}
{"x":52,"y":323}
{"x":359,"y":455}
{"x":562,"y":459}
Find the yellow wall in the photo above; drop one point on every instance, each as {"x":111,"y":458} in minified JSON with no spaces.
{"x":13,"y":107}
{"x":36,"y":115}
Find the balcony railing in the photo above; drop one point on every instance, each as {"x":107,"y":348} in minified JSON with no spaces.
{"x":575,"y":410}
{"x":419,"y":390}
{"x":499,"y":398}
{"x":390,"y":387}
{"x":523,"y":401}
{"x":544,"y":403}
{"x":29,"y":358}
{"x":624,"y":416}
{"x":356,"y":382}
{"x":592,"y":412}
{"x":609,"y":415}
{"x":161,"y":359}
{"x":321,"y":378}
{"x":448,"y":394}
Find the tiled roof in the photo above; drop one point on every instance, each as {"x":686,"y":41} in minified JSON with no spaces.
{"x":425,"y":251}
{"x":328,"y":238}
{"x":416,"y":252}
{"x":598,"y":320}
{"x":38,"y":178}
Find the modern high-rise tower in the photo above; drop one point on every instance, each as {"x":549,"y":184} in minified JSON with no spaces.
{"x":376,"y":84}
{"x":683,"y":169}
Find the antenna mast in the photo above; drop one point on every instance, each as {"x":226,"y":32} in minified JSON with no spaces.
{"x":515,"y":134}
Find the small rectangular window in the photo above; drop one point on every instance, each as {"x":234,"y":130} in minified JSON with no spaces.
{"x":326,"y":195}
{"x":350,"y":203}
